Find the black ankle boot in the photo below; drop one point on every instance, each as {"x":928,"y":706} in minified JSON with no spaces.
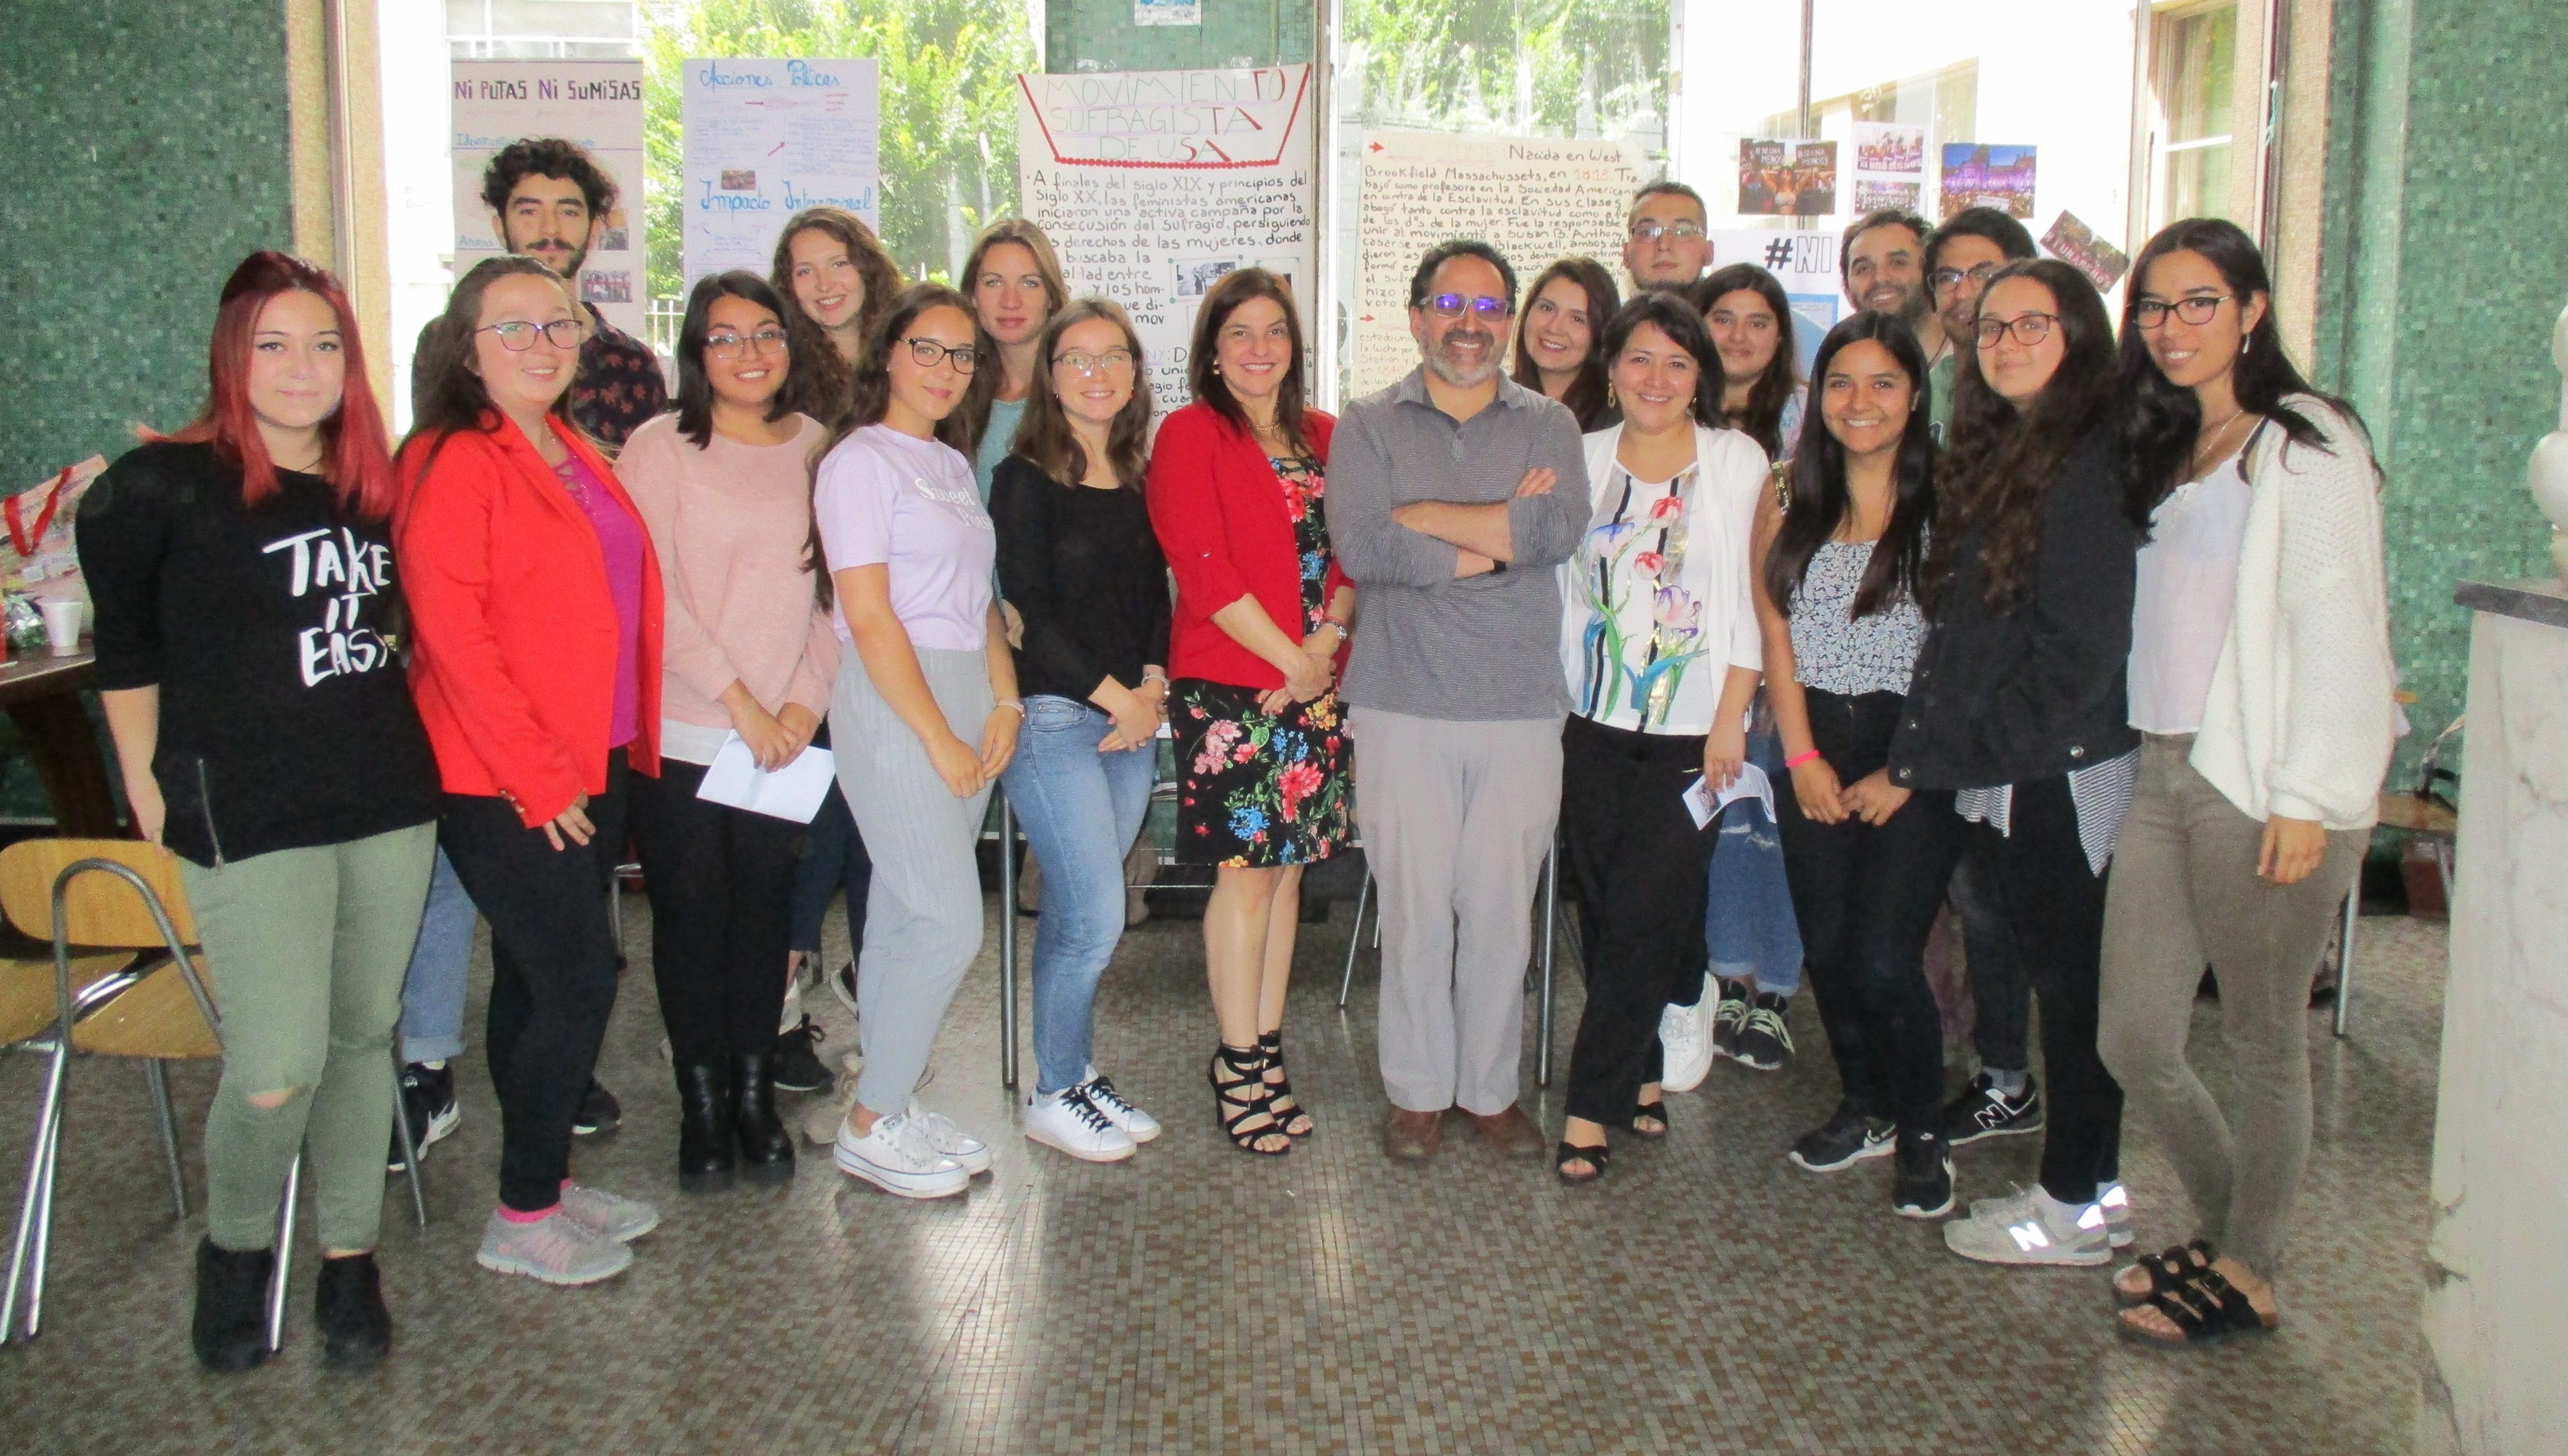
{"x":765,"y":1148}
{"x":231,"y":1328}
{"x":705,"y":1156}
{"x":355,"y":1328}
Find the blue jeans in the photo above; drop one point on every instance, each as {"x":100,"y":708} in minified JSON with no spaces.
{"x":1081,"y":810}
{"x":431,"y":1021}
{"x":1748,"y":916}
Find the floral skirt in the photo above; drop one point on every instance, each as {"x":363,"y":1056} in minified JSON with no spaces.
{"x":1256,"y":790}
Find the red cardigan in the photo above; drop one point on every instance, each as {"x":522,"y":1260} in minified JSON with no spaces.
{"x":1219,"y":513}
{"x":513,"y":657}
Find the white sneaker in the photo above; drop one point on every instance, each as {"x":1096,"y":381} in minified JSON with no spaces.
{"x":951,"y":1140}
{"x":558,"y":1249}
{"x":896,"y":1157}
{"x":2031,"y":1229}
{"x":2115,"y":1200}
{"x":2017,"y":1204}
{"x":1685,"y":1036}
{"x":608,"y":1215}
{"x":1137,"y":1125}
{"x":1067,"y":1120}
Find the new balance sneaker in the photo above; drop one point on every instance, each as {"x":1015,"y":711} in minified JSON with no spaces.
{"x":1922,"y":1187}
{"x":951,"y":1140}
{"x":1843,"y":1141}
{"x":428,"y":1105}
{"x":2115,"y":1200}
{"x":1984,"y":1111}
{"x":1070,"y":1121}
{"x":1764,"y":1043}
{"x":1137,"y":1125}
{"x":897,"y":1158}
{"x":1685,"y":1041}
{"x":598,"y":1111}
{"x":557,"y":1249}
{"x":608,"y":1215}
{"x":798,"y":1067}
{"x":2031,"y":1229}
{"x":843,"y":985}
{"x":1729,"y":1014}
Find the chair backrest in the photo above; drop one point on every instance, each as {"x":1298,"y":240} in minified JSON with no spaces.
{"x":100,"y":909}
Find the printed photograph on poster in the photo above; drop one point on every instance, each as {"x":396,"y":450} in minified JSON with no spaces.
{"x":1889,"y":146}
{"x":1166,"y":12}
{"x":2074,"y":243}
{"x":1979,"y":175}
{"x":1871,"y":195}
{"x":1782,"y":178}
{"x":597,"y":103}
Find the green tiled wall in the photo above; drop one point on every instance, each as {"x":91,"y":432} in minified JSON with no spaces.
{"x":1265,"y":32}
{"x":2446,"y":264}
{"x":145,"y":146}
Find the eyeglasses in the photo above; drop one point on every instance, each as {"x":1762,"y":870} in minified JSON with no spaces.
{"x":930,"y":353}
{"x":1943,"y":278}
{"x":2029,"y":329}
{"x":1112,"y":361}
{"x":1653,"y":229}
{"x":517,"y":335}
{"x":729,"y":346}
{"x":2201,"y":308}
{"x":1451,"y":306}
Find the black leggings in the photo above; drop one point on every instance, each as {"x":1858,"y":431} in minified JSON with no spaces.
{"x":552,"y":971}
{"x":1641,"y":866}
{"x":722,"y":885}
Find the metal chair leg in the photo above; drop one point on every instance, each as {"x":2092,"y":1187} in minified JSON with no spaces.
{"x":44,"y":1226}
{"x":1355,"y":938}
{"x":39,"y":1172}
{"x":1007,"y":942}
{"x":1550,"y":916}
{"x":410,"y":1150}
{"x":2345,"y":955}
{"x":156,"y":1077}
{"x":284,"y":1256}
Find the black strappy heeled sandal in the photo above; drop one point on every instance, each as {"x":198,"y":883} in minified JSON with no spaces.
{"x":1289,"y":1115}
{"x":2166,"y":1270}
{"x":2206,"y":1310}
{"x":1570,"y":1152}
{"x":1656,"y":1112}
{"x":1243,"y":1096}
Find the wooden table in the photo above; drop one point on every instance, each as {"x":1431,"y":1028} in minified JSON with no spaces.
{"x":43,"y":697}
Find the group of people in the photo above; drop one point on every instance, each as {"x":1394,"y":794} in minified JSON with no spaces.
{"x":2097,"y":647}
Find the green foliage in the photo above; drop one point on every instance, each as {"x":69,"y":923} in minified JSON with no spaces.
{"x":949,"y":121}
{"x":1556,"y":68}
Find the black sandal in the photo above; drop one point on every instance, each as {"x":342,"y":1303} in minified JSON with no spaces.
{"x":2167,"y":1271}
{"x":1243,"y":1096}
{"x":1568,"y":1152}
{"x":1288,"y":1113}
{"x":1656,"y":1111}
{"x":2206,"y":1309}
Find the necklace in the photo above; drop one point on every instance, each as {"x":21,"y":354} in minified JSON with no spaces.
{"x":2208,"y":446}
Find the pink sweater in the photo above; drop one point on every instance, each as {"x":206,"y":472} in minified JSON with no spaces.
{"x":730,"y":523}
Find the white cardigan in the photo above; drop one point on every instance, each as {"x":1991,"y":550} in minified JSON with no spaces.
{"x":1720,"y":529}
{"x":2300,"y":718}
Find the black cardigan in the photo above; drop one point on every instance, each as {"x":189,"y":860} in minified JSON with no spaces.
{"x":2037,"y":690}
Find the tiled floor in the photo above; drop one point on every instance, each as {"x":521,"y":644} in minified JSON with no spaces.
{"x":1707,"y":1296}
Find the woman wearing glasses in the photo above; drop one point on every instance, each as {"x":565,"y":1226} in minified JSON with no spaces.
{"x":1556,"y":354}
{"x":2261,"y":684}
{"x":724,"y":485}
{"x":535,"y":594}
{"x":1238,"y":485}
{"x":2015,"y":710}
{"x":924,"y":718}
{"x":1086,"y":576}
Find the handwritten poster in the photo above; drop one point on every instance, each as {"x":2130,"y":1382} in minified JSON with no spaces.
{"x":597,"y":103}
{"x":767,"y":138}
{"x":1152,"y":184}
{"x":1534,"y":199}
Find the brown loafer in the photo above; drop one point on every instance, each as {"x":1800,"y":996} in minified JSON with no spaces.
{"x":1412,"y":1137}
{"x":1511,"y":1132}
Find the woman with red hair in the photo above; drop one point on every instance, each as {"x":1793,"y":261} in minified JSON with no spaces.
{"x":242,"y":571}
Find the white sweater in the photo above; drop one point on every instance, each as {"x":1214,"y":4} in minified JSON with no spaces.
{"x":2300,"y":718}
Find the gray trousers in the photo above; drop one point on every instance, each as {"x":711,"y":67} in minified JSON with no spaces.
{"x":923,"y":913}
{"x":2185,"y":893}
{"x":1456,"y":819}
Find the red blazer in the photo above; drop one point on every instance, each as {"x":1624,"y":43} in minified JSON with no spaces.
{"x":514,"y":652}
{"x":1220,"y":517}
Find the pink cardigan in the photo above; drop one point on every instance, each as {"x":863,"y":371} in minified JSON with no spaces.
{"x":730,"y":523}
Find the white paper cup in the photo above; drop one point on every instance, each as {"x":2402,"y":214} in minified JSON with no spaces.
{"x":63,"y":625}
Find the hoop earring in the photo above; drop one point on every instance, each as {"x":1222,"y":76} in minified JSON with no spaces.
{"x":1610,"y":402}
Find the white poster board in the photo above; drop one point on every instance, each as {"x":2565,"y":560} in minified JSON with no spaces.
{"x":597,"y":103}
{"x":765,"y":139}
{"x":1534,"y":199}
{"x":1152,"y":184}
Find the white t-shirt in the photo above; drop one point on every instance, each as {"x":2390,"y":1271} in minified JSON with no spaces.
{"x":2188,"y":587}
{"x":887,"y":498}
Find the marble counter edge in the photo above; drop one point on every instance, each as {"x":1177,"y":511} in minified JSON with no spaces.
{"x":2545,"y":602}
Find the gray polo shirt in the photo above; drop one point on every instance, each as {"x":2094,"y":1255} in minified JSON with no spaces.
{"x":1485,"y":648}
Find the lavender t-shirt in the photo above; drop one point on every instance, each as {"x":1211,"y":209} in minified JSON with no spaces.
{"x":890,"y":500}
{"x":620,"y":537}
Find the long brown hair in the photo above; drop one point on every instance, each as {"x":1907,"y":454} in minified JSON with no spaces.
{"x":872,"y":393}
{"x":1048,"y":442}
{"x":820,"y":377}
{"x":1203,"y":365}
{"x":973,"y":415}
{"x":1763,"y":420}
{"x":446,"y":395}
{"x":1586,"y":395}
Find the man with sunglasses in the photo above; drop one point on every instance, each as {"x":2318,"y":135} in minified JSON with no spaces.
{"x":1667,"y":244}
{"x":1972,"y":245}
{"x":1452,"y":496}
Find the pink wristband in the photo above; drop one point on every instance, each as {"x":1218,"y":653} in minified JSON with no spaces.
{"x":1798,"y":760}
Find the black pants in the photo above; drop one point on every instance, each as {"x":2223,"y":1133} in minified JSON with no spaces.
{"x":1640,"y":865}
{"x":552,"y":971}
{"x":1866,"y":897}
{"x":2001,"y":999}
{"x":2038,"y":879}
{"x":722,"y":891}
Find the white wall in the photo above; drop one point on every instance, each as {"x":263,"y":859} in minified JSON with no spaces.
{"x":419,"y":186}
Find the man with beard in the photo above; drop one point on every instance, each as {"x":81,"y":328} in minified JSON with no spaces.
{"x":1883,"y":261}
{"x":1666,"y":246}
{"x":1453,"y":494}
{"x":1972,"y":245}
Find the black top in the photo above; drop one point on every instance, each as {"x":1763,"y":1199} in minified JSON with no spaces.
{"x":1083,"y":568}
{"x":285,"y":721}
{"x":2037,"y":690}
